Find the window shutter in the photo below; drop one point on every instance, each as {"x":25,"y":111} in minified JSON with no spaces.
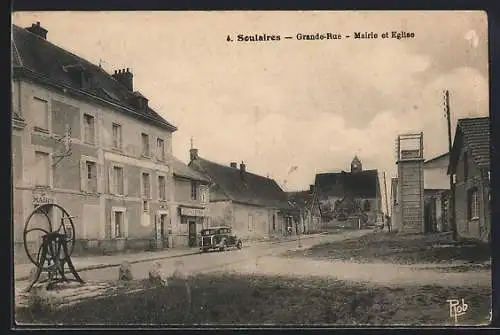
{"x":125,"y":182}
{"x":150,"y":177}
{"x":110,"y":180}
{"x":100,"y":178}
{"x":113,"y":220}
{"x":125,"y":224}
{"x":83,"y":175}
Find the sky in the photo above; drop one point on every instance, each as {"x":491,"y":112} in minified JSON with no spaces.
{"x":290,"y":109}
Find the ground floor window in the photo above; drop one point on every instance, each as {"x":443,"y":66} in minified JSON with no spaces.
{"x":473,"y":204}
{"x":119,"y":228}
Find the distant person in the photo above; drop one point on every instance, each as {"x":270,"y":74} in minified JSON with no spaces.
{"x":388,"y":222}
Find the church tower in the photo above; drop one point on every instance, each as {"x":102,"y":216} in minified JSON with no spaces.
{"x":356,"y":165}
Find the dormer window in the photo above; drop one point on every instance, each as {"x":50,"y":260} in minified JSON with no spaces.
{"x":140,"y":101}
{"x":79,"y":74}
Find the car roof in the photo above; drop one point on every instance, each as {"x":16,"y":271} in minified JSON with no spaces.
{"x":218,"y":227}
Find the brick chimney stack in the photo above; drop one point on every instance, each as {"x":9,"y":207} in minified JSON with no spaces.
{"x":38,"y":30}
{"x":242,"y":170}
{"x":125,"y":77}
{"x":311,"y":188}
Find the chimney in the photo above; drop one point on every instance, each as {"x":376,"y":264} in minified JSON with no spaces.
{"x":125,"y":77}
{"x":242,"y":170}
{"x":38,"y":30}
{"x":193,"y":154}
{"x":311,"y":188}
{"x":233,"y":165}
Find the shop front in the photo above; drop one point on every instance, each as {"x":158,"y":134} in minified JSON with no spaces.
{"x":192,"y":221}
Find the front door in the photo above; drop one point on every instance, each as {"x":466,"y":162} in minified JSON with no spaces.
{"x":164,"y":230}
{"x":192,"y":233}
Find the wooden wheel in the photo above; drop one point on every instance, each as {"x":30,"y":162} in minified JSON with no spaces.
{"x":39,"y":224}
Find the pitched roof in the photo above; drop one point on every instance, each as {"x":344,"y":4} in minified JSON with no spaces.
{"x":300,"y":199}
{"x":475,"y":134}
{"x":32,"y":54}
{"x":357,"y":184}
{"x":251,"y":189}
{"x":442,"y":156}
{"x":182,"y":170}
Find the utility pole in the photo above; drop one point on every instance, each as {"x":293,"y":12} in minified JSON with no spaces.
{"x":452,"y":185}
{"x":385,"y":195}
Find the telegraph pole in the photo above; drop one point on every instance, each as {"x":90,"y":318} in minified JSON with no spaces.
{"x":385,"y":195}
{"x":452,"y":186}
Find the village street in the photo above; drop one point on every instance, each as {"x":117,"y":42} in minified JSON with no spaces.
{"x":206,"y":262}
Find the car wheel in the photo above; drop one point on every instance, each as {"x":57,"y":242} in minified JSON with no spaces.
{"x":239,"y":245}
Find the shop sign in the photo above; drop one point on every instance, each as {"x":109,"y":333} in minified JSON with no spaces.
{"x":41,"y":198}
{"x":186,"y":211}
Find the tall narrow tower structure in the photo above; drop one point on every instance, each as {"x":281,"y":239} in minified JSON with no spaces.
{"x":410,"y":161}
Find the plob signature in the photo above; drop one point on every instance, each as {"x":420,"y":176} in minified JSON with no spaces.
{"x":457,"y":308}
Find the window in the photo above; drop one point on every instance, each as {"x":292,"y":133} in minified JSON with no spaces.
{"x":42,"y":169}
{"x":194,"y":190}
{"x":145,"y":144}
{"x":160,"y":148}
{"x":118,"y":180}
{"x":250,"y":222}
{"x":118,"y":224}
{"x":274,"y":222}
{"x":145,"y":206}
{"x":117,"y":136}
{"x":204,"y":195}
{"x":88,"y":128}
{"x":473,"y":204}
{"x":161,"y":188}
{"x":40,"y":114}
{"x":91,"y":177}
{"x":466,"y":166}
{"x":145,"y":186}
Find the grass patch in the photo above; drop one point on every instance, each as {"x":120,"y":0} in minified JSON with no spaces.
{"x":235,"y":299}
{"x":403,"y":249}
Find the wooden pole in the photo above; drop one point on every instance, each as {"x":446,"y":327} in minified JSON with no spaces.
{"x":450,"y":145}
{"x":385,"y":194}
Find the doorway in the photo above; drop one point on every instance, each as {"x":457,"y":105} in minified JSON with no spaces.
{"x":192,"y":233}
{"x":164,"y":230}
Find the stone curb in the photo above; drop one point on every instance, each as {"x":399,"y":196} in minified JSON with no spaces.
{"x":143,"y":260}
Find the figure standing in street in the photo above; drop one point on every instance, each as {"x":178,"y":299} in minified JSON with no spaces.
{"x":388,"y":222}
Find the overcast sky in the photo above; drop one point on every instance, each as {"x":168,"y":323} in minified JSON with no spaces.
{"x":275,"y":105}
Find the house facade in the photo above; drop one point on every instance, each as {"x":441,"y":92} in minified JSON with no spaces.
{"x":254,"y":206}
{"x":84,"y":139}
{"x":436,"y":193}
{"x":309,"y":210}
{"x":344,"y":194}
{"x":470,"y":167}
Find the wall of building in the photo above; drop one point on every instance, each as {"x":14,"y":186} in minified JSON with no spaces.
{"x":435,"y":176}
{"x":257,"y":227}
{"x":471,"y":228}
{"x":66,"y":189}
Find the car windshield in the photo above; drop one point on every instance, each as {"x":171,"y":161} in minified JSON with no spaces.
{"x":208,"y":232}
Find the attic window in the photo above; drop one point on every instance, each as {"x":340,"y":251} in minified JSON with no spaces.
{"x":79,"y":74}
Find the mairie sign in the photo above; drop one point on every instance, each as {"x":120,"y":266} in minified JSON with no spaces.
{"x":187,"y":211}
{"x":41,"y":198}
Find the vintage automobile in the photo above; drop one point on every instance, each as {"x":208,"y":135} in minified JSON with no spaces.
{"x":218,"y":238}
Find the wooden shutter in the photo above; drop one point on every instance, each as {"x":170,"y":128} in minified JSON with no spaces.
{"x":113,"y":220}
{"x":125,"y":224}
{"x":110,"y":180}
{"x":125,"y":181}
{"x":100,"y":177}
{"x":83,"y":175}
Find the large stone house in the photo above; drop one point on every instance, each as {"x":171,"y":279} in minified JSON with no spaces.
{"x":470,"y":167}
{"x":436,"y":193}
{"x":344,"y":194}
{"x":309,"y":210}
{"x":114,"y":175}
{"x":254,"y":206}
